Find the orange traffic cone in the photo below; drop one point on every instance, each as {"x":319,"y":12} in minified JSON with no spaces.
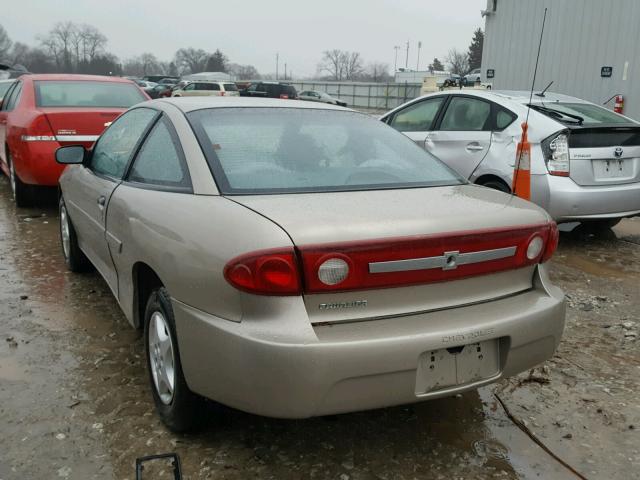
{"x":522,"y":172}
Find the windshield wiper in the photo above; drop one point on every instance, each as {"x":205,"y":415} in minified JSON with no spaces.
{"x":558,"y":113}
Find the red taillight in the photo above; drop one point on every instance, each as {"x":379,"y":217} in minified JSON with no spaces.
{"x":426,"y":259}
{"x":284,"y":96}
{"x":39,"y":131}
{"x":268,"y":272}
{"x":222,"y":93}
{"x":392,"y":262}
{"x":552,"y":242}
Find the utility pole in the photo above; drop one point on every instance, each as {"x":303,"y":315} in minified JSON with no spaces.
{"x":395,"y":62}
{"x":277,"y":64}
{"x":418,"y":62}
{"x":285,"y":70}
{"x":406,"y":62}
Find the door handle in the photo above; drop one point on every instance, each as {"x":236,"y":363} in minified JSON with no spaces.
{"x":101,"y":201}
{"x":474,"y":147}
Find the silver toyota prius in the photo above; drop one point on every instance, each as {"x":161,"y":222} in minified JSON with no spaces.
{"x":293,"y":259}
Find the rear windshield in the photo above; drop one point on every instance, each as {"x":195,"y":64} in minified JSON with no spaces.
{"x":591,"y":114}
{"x":289,"y":150}
{"x":230,"y":87}
{"x":4,"y":86}
{"x":75,"y":93}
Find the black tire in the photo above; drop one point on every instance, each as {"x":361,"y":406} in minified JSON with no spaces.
{"x":22,"y":193}
{"x":496,"y":185}
{"x":185,"y":410}
{"x":74,"y":258}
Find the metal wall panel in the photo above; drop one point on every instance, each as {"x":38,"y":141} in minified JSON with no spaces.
{"x":581,"y":36}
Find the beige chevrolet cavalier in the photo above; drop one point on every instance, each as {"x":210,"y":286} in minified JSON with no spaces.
{"x":293,"y":259}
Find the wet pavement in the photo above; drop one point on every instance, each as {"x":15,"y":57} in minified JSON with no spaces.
{"x":75,"y":401}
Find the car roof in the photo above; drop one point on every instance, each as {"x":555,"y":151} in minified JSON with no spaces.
{"x":189,"y":104}
{"x":68,"y":77}
{"x":522,"y":96}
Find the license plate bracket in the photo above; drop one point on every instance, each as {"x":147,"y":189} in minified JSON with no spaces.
{"x":456,"y":366}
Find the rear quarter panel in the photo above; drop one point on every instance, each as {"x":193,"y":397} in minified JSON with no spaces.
{"x":187,"y":240}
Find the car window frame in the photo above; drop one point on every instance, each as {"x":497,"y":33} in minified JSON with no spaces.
{"x":175,"y":139}
{"x":496,"y":108}
{"x":9,"y":96}
{"x":5,"y":98}
{"x":436,"y":119}
{"x":442,"y":113}
{"x":134,"y":151}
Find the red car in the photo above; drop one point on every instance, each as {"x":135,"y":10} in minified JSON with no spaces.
{"x":40,"y":113}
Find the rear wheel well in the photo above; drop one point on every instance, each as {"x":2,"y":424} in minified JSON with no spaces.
{"x":493,"y":181}
{"x":145,"y":281}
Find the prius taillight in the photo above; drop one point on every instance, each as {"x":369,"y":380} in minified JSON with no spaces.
{"x":391,"y":262}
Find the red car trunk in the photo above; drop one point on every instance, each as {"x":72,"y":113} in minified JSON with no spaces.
{"x":79,"y":125}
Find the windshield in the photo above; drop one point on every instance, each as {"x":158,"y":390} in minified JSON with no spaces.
{"x":591,"y":114}
{"x":76,"y":93}
{"x":230,"y":87}
{"x":4,"y":86}
{"x":287,"y":150}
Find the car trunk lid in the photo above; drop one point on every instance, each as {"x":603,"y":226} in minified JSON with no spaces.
{"x":397,"y":225}
{"x":605,"y":155}
{"x":79,"y":126}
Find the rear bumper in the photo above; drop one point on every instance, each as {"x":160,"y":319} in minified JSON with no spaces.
{"x":35,"y":163}
{"x":566,"y":201}
{"x":346,"y":367}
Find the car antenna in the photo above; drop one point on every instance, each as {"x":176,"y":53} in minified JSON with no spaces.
{"x":525,"y":125}
{"x":541,"y":94}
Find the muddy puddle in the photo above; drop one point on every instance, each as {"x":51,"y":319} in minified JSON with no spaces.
{"x":74,"y":400}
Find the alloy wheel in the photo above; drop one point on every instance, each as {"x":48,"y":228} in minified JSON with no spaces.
{"x":161,"y":357}
{"x":64,"y":231}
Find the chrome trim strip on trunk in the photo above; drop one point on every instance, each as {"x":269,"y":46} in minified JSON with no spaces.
{"x":448,"y":261}
{"x":77,"y":138}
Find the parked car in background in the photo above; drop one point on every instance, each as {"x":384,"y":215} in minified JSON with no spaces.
{"x":453,"y":80}
{"x":159,"y":91}
{"x":270,"y":90}
{"x":473,"y":77}
{"x":144,"y":83}
{"x":39,"y":113}
{"x":159,"y":78}
{"x":201,"y":88}
{"x":585,"y":159}
{"x":351,"y":269}
{"x":322,"y":97}
{"x":4,"y":86}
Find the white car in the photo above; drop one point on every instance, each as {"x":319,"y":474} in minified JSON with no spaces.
{"x":585,"y":159}
{"x":204,"y":88}
{"x":472,"y":77}
{"x":322,"y":97}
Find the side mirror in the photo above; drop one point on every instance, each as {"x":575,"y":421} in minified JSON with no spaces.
{"x":70,"y":155}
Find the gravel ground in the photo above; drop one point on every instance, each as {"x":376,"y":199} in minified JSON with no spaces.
{"x":74,"y":400}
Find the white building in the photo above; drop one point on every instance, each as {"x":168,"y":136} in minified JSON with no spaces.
{"x":590,"y":48}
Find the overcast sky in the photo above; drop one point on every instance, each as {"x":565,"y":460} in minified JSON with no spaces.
{"x":252,"y":31}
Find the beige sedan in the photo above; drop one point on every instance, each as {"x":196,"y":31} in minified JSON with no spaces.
{"x":293,"y":259}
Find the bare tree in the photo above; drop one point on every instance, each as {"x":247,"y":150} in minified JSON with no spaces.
{"x":458,"y":62}
{"x":377,"y":72}
{"x":332,"y":63}
{"x":145,"y":64}
{"x":72,"y":45}
{"x":5,"y":43}
{"x":93,"y":42}
{"x":352,"y":65}
{"x":191,"y":60}
{"x":243,"y":72}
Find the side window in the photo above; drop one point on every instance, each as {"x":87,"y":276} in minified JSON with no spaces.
{"x":191,"y":86}
{"x":6,"y":97}
{"x":115,"y":147}
{"x":467,"y":114}
{"x":504,"y":118}
{"x":418,"y":117}
{"x":13,"y":98}
{"x":160,"y":160}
